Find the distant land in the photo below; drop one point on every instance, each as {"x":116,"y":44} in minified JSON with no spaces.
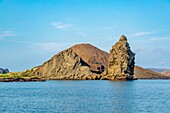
{"x":158,"y":69}
{"x":142,"y":73}
{"x":166,"y":73}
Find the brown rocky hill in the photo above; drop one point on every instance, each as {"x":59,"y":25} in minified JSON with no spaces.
{"x":78,"y":62}
{"x":166,"y":73}
{"x":142,"y":73}
{"x":92,"y":55}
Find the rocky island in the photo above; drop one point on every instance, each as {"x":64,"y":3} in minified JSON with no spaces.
{"x":87,"y":62}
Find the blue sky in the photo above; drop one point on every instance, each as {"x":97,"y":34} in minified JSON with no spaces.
{"x":32,"y":31}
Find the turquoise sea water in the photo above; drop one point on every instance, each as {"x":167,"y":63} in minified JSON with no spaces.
{"x":140,"y":96}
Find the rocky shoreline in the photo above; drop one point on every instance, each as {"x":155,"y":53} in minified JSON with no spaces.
{"x":22,"y":79}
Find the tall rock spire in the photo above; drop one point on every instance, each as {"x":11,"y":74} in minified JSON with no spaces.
{"x":121,"y":61}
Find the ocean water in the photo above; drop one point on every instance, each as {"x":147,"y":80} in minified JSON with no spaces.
{"x":140,"y":96}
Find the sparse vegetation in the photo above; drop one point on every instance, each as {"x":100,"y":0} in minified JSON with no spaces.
{"x":16,"y":75}
{"x":19,"y":76}
{"x":26,"y":73}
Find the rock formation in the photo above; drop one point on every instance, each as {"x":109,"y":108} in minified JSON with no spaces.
{"x":121,"y":60}
{"x":78,"y":62}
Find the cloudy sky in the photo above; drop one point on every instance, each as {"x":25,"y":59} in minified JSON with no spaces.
{"x":32,"y":31}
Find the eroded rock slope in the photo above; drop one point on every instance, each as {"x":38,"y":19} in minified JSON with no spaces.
{"x":78,"y":62}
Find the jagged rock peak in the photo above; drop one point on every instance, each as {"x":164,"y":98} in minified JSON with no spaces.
{"x":123,"y":38}
{"x":121,"y":60}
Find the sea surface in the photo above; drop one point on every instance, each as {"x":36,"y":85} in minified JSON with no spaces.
{"x":139,"y":96}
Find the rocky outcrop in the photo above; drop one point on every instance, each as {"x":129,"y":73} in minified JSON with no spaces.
{"x":3,"y":71}
{"x":121,"y":60}
{"x":79,"y":62}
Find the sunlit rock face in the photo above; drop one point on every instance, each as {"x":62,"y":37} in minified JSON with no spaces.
{"x":121,"y":61}
{"x":80,"y":62}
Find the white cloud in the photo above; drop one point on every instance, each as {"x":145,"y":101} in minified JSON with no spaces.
{"x":138,"y":50}
{"x":107,"y":28}
{"x":163,"y":62}
{"x":159,"y":38}
{"x":60,"y":25}
{"x":143,"y":33}
{"x":6,"y":34}
{"x":82,"y":34}
{"x":52,"y":46}
{"x":149,"y":32}
{"x":161,"y":51}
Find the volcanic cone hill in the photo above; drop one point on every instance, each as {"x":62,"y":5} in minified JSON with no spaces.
{"x":78,"y":62}
{"x":92,"y":55}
